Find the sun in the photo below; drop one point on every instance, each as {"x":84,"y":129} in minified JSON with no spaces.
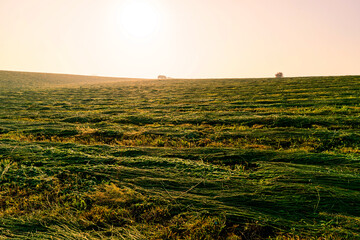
{"x":139,"y":19}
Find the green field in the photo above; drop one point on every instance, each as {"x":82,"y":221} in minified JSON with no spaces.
{"x":106,"y":158}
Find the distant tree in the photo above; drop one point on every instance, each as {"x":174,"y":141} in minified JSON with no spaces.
{"x":162,"y":77}
{"x":279,"y":75}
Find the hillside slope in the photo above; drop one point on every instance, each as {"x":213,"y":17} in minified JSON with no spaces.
{"x":25,"y":80}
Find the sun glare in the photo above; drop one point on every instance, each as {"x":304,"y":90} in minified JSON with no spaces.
{"x":139,"y":19}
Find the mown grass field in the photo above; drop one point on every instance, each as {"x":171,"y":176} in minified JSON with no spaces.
{"x":100,"y":158}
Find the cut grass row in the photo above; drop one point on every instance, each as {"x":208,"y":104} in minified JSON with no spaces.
{"x":62,"y":179}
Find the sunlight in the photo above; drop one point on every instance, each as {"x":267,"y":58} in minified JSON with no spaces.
{"x":139,"y":19}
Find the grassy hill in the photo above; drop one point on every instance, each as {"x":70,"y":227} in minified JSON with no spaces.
{"x":179,"y":159}
{"x":29,"y":80}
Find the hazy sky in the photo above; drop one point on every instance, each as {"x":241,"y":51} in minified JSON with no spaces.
{"x":187,"y":38}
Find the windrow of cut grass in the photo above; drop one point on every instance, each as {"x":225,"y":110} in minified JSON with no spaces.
{"x":180,"y":159}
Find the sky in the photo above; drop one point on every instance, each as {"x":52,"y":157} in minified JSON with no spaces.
{"x":181,"y":38}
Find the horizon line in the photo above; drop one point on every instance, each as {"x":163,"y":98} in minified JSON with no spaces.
{"x":171,"y":78}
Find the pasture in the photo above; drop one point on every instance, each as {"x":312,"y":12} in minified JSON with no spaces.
{"x":106,"y":158}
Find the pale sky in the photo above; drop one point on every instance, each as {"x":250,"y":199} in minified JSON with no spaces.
{"x":181,"y":38}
